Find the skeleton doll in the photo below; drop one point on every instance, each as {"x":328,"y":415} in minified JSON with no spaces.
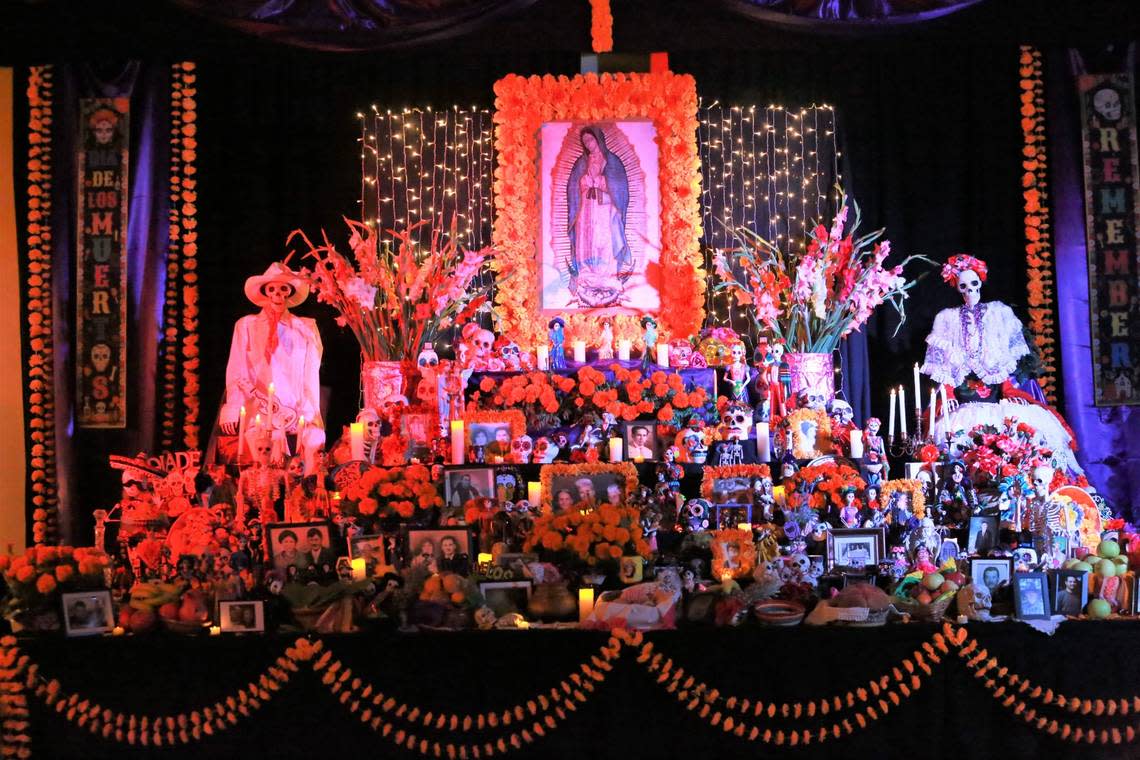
{"x":480,"y":342}
{"x":736,"y":372}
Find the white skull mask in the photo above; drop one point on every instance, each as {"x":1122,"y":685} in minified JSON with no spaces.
{"x":970,"y":287}
{"x":801,"y":563}
{"x":680,"y":353}
{"x":1042,"y":480}
{"x":521,"y":449}
{"x":1106,"y":102}
{"x":100,"y":357}
{"x":738,"y":420}
{"x":841,"y":412}
{"x":481,"y":343}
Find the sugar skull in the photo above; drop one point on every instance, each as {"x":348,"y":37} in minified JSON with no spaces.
{"x":695,"y":515}
{"x":737,"y":421}
{"x":841,"y":413}
{"x":508,"y":352}
{"x":969,"y":287}
{"x":1106,"y":102}
{"x":544,"y":451}
{"x":427,"y":360}
{"x":100,"y":357}
{"x":680,"y":353}
{"x":522,"y":449}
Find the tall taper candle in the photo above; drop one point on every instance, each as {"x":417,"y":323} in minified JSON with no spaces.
{"x":930,"y":424}
{"x":624,"y":347}
{"x":763,"y":442}
{"x":891,"y":425}
{"x":902,"y":410}
{"x":457,"y":442}
{"x":917,"y":391}
{"x":241,"y":434}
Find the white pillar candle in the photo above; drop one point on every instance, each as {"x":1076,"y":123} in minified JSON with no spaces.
{"x":458,"y":444}
{"x":542,"y":355}
{"x":891,"y":417}
{"x":356,"y":440}
{"x":857,"y":444}
{"x":358,"y":569}
{"x":585,"y":603}
{"x":534,"y":493}
{"x":580,"y":351}
{"x":241,"y":434}
{"x":624,"y":347}
{"x":663,"y":354}
{"x":615,"y":449}
{"x":763,"y":442}
{"x":269,"y":403}
{"x":902,"y":410}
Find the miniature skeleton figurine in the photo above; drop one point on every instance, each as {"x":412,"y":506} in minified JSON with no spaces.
{"x":875,"y":462}
{"x":480,"y":343}
{"x":606,"y":341}
{"x":668,"y":471}
{"x":1045,"y":519}
{"x":764,"y":499}
{"x":260,"y":486}
{"x":779,"y":378}
{"x":427,"y":392}
{"x":508,"y":352}
{"x":521,"y":449}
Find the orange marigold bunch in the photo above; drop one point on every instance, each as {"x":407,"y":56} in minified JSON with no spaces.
{"x":818,"y":485}
{"x":391,"y":491}
{"x":591,"y":535}
{"x":33,"y":576}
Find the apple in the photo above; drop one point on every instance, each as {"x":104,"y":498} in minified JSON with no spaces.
{"x":1108,"y":549}
{"x":933,"y":580}
{"x":1082,"y":566}
{"x":956,"y":577}
{"x":142,"y":620}
{"x":169,"y":611}
{"x":948,"y":587}
{"x":1099,"y":609}
{"x":924,"y":597}
{"x":1121,"y":564}
{"x":1106,"y":568}
{"x":1070,"y":563}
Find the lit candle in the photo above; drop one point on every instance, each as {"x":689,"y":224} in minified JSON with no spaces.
{"x":580,"y":351}
{"x":933,"y":396}
{"x":269,"y":403}
{"x":118,"y":631}
{"x":496,"y":459}
{"x":763,"y":442}
{"x":534,"y":493}
{"x":457,"y":442}
{"x":746,"y":527}
{"x":356,"y":439}
{"x":917,"y":391}
{"x":301,"y":437}
{"x":902,"y":410}
{"x":485,"y":558}
{"x":215,"y":630}
{"x":615,"y":449}
{"x":624,"y":347}
{"x":663,"y":354}
{"x":891,"y":424}
{"x":241,"y":434}
{"x":945,"y":404}
{"x":358,"y":568}
{"x":857,"y":443}
{"x":542,"y":354}
{"x":585,"y":603}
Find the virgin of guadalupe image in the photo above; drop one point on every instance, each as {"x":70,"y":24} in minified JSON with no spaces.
{"x":597,"y":194}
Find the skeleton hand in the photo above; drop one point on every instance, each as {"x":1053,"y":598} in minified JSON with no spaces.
{"x":229,"y":428}
{"x":951,"y":406}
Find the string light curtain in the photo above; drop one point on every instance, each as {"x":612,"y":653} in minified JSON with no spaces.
{"x":770,"y":169}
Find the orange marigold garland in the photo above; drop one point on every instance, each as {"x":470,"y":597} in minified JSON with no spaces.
{"x":601,"y":26}
{"x":604,"y":534}
{"x":816,"y":486}
{"x":1038,"y":236}
{"x":188,"y":208}
{"x":170,"y":305}
{"x":522,"y":106}
{"x":40,"y":366}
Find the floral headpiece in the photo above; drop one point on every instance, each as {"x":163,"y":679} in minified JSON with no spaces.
{"x":962,"y":262}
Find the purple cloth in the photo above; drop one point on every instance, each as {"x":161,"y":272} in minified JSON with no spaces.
{"x":1109,"y":437}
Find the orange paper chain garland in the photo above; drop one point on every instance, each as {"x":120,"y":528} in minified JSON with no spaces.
{"x":601,"y":26}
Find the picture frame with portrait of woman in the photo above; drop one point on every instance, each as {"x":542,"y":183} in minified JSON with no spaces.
{"x":439,"y":550}
{"x":88,"y":613}
{"x":564,"y":486}
{"x":639,"y":441}
{"x":301,"y":549}
{"x":242,"y":616}
{"x":489,"y":434}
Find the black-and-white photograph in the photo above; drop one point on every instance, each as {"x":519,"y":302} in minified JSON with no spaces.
{"x":86,"y":613}
{"x":991,"y":573}
{"x":595,"y":488}
{"x":982,"y":536}
{"x":1070,"y":592}
{"x":241,"y":617}
{"x":1031,"y":596}
{"x":303,"y":551}
{"x":493,"y":438}
{"x":506,"y":596}
{"x":640,"y":441}
{"x":855,"y":547}
{"x":440,"y":551}
{"x":460,"y":486}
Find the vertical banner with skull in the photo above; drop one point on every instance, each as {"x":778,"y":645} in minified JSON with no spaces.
{"x":101,"y":263}
{"x":1112,"y":219}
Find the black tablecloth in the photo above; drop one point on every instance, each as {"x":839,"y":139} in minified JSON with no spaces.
{"x":629,"y":715}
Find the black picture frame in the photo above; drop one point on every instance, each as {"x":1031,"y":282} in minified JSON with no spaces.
{"x":1031,"y":596}
{"x":435,"y":562}
{"x":281,"y":557}
{"x":252,"y":616}
{"x":1063,"y":598}
{"x":839,"y":538}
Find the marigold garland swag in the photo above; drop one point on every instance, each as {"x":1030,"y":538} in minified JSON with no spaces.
{"x":823,"y":484}
{"x":624,"y":470}
{"x":391,"y":491}
{"x":910,"y":486}
{"x":522,"y":106}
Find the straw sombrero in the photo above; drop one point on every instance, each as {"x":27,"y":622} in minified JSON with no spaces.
{"x":277,"y":272}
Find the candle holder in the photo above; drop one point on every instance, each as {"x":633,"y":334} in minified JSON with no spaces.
{"x":905,"y":446}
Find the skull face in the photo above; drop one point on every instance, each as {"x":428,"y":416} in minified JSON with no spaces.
{"x":812,"y":398}
{"x":801,"y":564}
{"x":542,"y":453}
{"x":1106,"y":102}
{"x":427,"y":360}
{"x":276,"y":293}
{"x":680,"y":353}
{"x":100,"y":357}
{"x":970,"y":287}
{"x":738,"y":419}
{"x":873,"y":426}
{"x":511,"y":355}
{"x":481,"y":343}
{"x":697,"y":514}
{"x":105,"y":131}
{"x":736,"y":350}
{"x":841,"y":413}
{"x":776,"y":352}
{"x":521,"y":449}
{"x":1042,"y":481}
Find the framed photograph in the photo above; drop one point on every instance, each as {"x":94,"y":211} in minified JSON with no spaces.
{"x":87,"y":613}
{"x":506,"y":596}
{"x":443,"y":550}
{"x":855,"y":547}
{"x":463,"y":484}
{"x":1025,"y":555}
{"x":241,"y":616}
{"x":640,"y":441}
{"x":733,"y":554}
{"x":991,"y":573}
{"x":1031,"y":596}
{"x":371,"y":548}
{"x":737,"y":484}
{"x":1070,"y":592}
{"x":948,"y":550}
{"x":982,"y":536}
{"x":565,"y":485}
{"x":726,"y":516}
{"x":419,"y":426}
{"x":604,"y":167}
{"x":301,"y":549}
{"x":492,"y":433}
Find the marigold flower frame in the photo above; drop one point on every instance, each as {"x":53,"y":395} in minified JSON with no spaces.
{"x":522,"y":106}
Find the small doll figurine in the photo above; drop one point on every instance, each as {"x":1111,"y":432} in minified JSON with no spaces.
{"x":606,"y":341}
{"x":557,"y":327}
{"x":874,"y":452}
{"x":849,"y":514}
{"x":956,"y":496}
{"x":737,"y":373}
{"x":649,"y":324}
{"x":668,"y":471}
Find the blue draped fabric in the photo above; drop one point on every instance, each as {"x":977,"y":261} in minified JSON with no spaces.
{"x":84,"y":478}
{"x":1109,"y":437}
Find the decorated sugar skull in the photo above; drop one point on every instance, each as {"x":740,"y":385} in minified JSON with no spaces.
{"x":696,"y":514}
{"x":428,"y":360}
{"x":100,"y":357}
{"x":1106,"y":102}
{"x":714,"y":351}
{"x":841,"y":413}
{"x":966,"y":274}
{"x":544,"y":451}
{"x":812,"y":398}
{"x":479,"y":342}
{"x":522,"y":449}
{"x":801,"y":564}
{"x":508,"y":351}
{"x":776,"y":352}
{"x":485,"y":618}
{"x":737,"y":419}
{"x":680,"y":353}
{"x":695,"y":446}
